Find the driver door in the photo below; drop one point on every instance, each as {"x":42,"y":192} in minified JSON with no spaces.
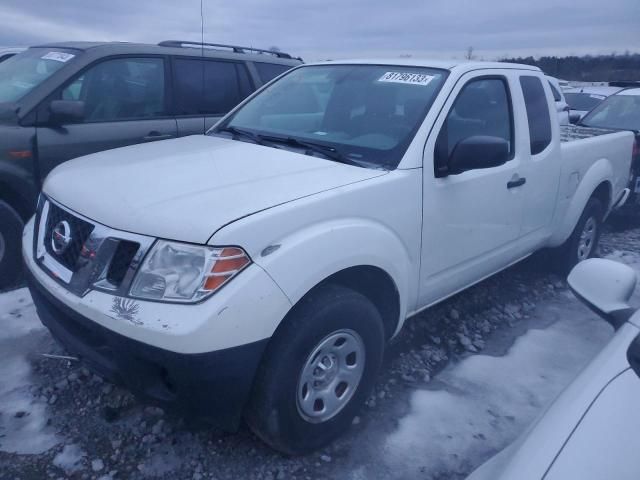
{"x":125,"y":102}
{"x":472,"y":218}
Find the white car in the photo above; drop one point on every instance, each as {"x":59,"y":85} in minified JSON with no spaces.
{"x":591,"y":431}
{"x":584,"y":99}
{"x":562,"y":107}
{"x":259,"y":271}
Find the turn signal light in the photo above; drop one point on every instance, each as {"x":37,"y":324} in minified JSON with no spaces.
{"x":228,"y":263}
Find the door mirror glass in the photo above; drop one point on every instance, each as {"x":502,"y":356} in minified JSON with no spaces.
{"x":605,"y":287}
{"x":478,"y":152}
{"x":66,"y":111}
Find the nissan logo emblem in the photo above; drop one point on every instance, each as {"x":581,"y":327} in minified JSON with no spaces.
{"x":61,"y":237}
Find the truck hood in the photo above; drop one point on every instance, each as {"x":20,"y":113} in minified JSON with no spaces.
{"x":186,"y":189}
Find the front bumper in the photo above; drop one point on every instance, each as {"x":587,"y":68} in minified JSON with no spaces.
{"x":198,"y":359}
{"x":213,"y":386}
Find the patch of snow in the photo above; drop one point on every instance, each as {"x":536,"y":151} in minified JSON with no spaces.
{"x":483,"y":403}
{"x":70,"y":459}
{"x":23,"y":418}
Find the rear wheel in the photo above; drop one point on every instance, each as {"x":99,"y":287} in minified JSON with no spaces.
{"x":583,"y":242}
{"x":11,"y":226}
{"x":318,"y":370}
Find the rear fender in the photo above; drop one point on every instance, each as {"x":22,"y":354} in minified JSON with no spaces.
{"x":577,"y":197}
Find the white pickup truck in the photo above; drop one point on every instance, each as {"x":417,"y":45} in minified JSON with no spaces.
{"x":258,"y":271}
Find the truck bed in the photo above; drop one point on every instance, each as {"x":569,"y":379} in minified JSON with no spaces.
{"x":575,"y":132}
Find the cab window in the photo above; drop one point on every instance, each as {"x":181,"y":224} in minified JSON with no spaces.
{"x":482,"y":109}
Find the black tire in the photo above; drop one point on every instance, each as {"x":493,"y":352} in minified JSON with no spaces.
{"x":11,"y":226}
{"x":273,"y":412}
{"x":572,"y":251}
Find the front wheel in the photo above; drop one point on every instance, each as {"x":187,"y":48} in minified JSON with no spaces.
{"x":11,"y":226}
{"x":318,"y":370}
{"x":583,"y":242}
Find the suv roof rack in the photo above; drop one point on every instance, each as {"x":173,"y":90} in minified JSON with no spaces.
{"x":235,"y":48}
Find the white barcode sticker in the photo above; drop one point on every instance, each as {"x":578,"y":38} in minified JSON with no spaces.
{"x":58,"y":56}
{"x":406,"y":77}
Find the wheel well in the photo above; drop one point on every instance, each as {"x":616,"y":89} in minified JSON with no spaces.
{"x":15,"y":201}
{"x":375,"y":284}
{"x":603,"y":193}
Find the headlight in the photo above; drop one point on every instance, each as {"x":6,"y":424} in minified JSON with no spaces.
{"x":179,"y":272}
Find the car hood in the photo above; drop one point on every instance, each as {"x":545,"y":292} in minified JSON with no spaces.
{"x":187,"y":188}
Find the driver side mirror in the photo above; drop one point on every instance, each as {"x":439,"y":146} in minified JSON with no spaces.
{"x":66,"y":111}
{"x":479,"y":151}
{"x":605,"y":287}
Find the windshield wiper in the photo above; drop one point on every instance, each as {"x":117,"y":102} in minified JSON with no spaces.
{"x":239,"y":132}
{"x":326,"y":150}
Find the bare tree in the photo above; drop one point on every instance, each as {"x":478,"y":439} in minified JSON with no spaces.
{"x":469,"y":54}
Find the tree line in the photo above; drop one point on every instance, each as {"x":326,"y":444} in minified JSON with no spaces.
{"x":587,"y":68}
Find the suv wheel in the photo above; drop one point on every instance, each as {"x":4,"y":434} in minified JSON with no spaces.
{"x":11,"y":226}
{"x":318,"y":370}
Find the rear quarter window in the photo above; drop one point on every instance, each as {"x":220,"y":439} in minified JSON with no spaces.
{"x":556,"y":94}
{"x":538,"y":114}
{"x":269,"y":71}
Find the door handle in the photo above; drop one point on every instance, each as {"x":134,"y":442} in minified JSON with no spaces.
{"x":516,"y":182}
{"x":152,"y":136}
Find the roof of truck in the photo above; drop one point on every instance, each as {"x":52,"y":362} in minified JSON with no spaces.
{"x":444,"y":64}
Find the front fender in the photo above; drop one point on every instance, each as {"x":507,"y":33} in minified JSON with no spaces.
{"x":309,"y":256}
{"x":575,"y":196}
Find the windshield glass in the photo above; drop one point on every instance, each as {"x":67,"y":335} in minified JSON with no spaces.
{"x":583,"y":101}
{"x":23,"y":72}
{"x":368,"y":113}
{"x":617,"y":111}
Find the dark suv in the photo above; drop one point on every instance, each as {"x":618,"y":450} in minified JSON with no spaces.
{"x":64,"y":100}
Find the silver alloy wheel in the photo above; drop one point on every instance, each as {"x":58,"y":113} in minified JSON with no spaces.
{"x":587,"y":238}
{"x":3,"y":246}
{"x":330,"y":376}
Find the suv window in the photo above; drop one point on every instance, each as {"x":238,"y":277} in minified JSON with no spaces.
{"x":482,"y":108}
{"x":269,"y":71}
{"x":120,"y":89}
{"x":538,"y":114}
{"x":225,"y":85}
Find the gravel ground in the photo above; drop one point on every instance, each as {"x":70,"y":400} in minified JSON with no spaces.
{"x":104,"y":433}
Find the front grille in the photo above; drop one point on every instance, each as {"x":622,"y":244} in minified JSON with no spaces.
{"x":122,"y":258}
{"x":93,"y":256}
{"x":79,"y":233}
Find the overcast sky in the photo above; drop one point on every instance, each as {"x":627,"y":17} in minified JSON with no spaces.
{"x":340,"y":28}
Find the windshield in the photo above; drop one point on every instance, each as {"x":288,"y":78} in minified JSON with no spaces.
{"x":617,"y":111}
{"x":367,"y":113}
{"x":583,"y":101}
{"x":23,"y":72}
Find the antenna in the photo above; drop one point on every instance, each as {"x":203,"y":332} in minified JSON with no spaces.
{"x":204,"y":118}
{"x":202,"y":26}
